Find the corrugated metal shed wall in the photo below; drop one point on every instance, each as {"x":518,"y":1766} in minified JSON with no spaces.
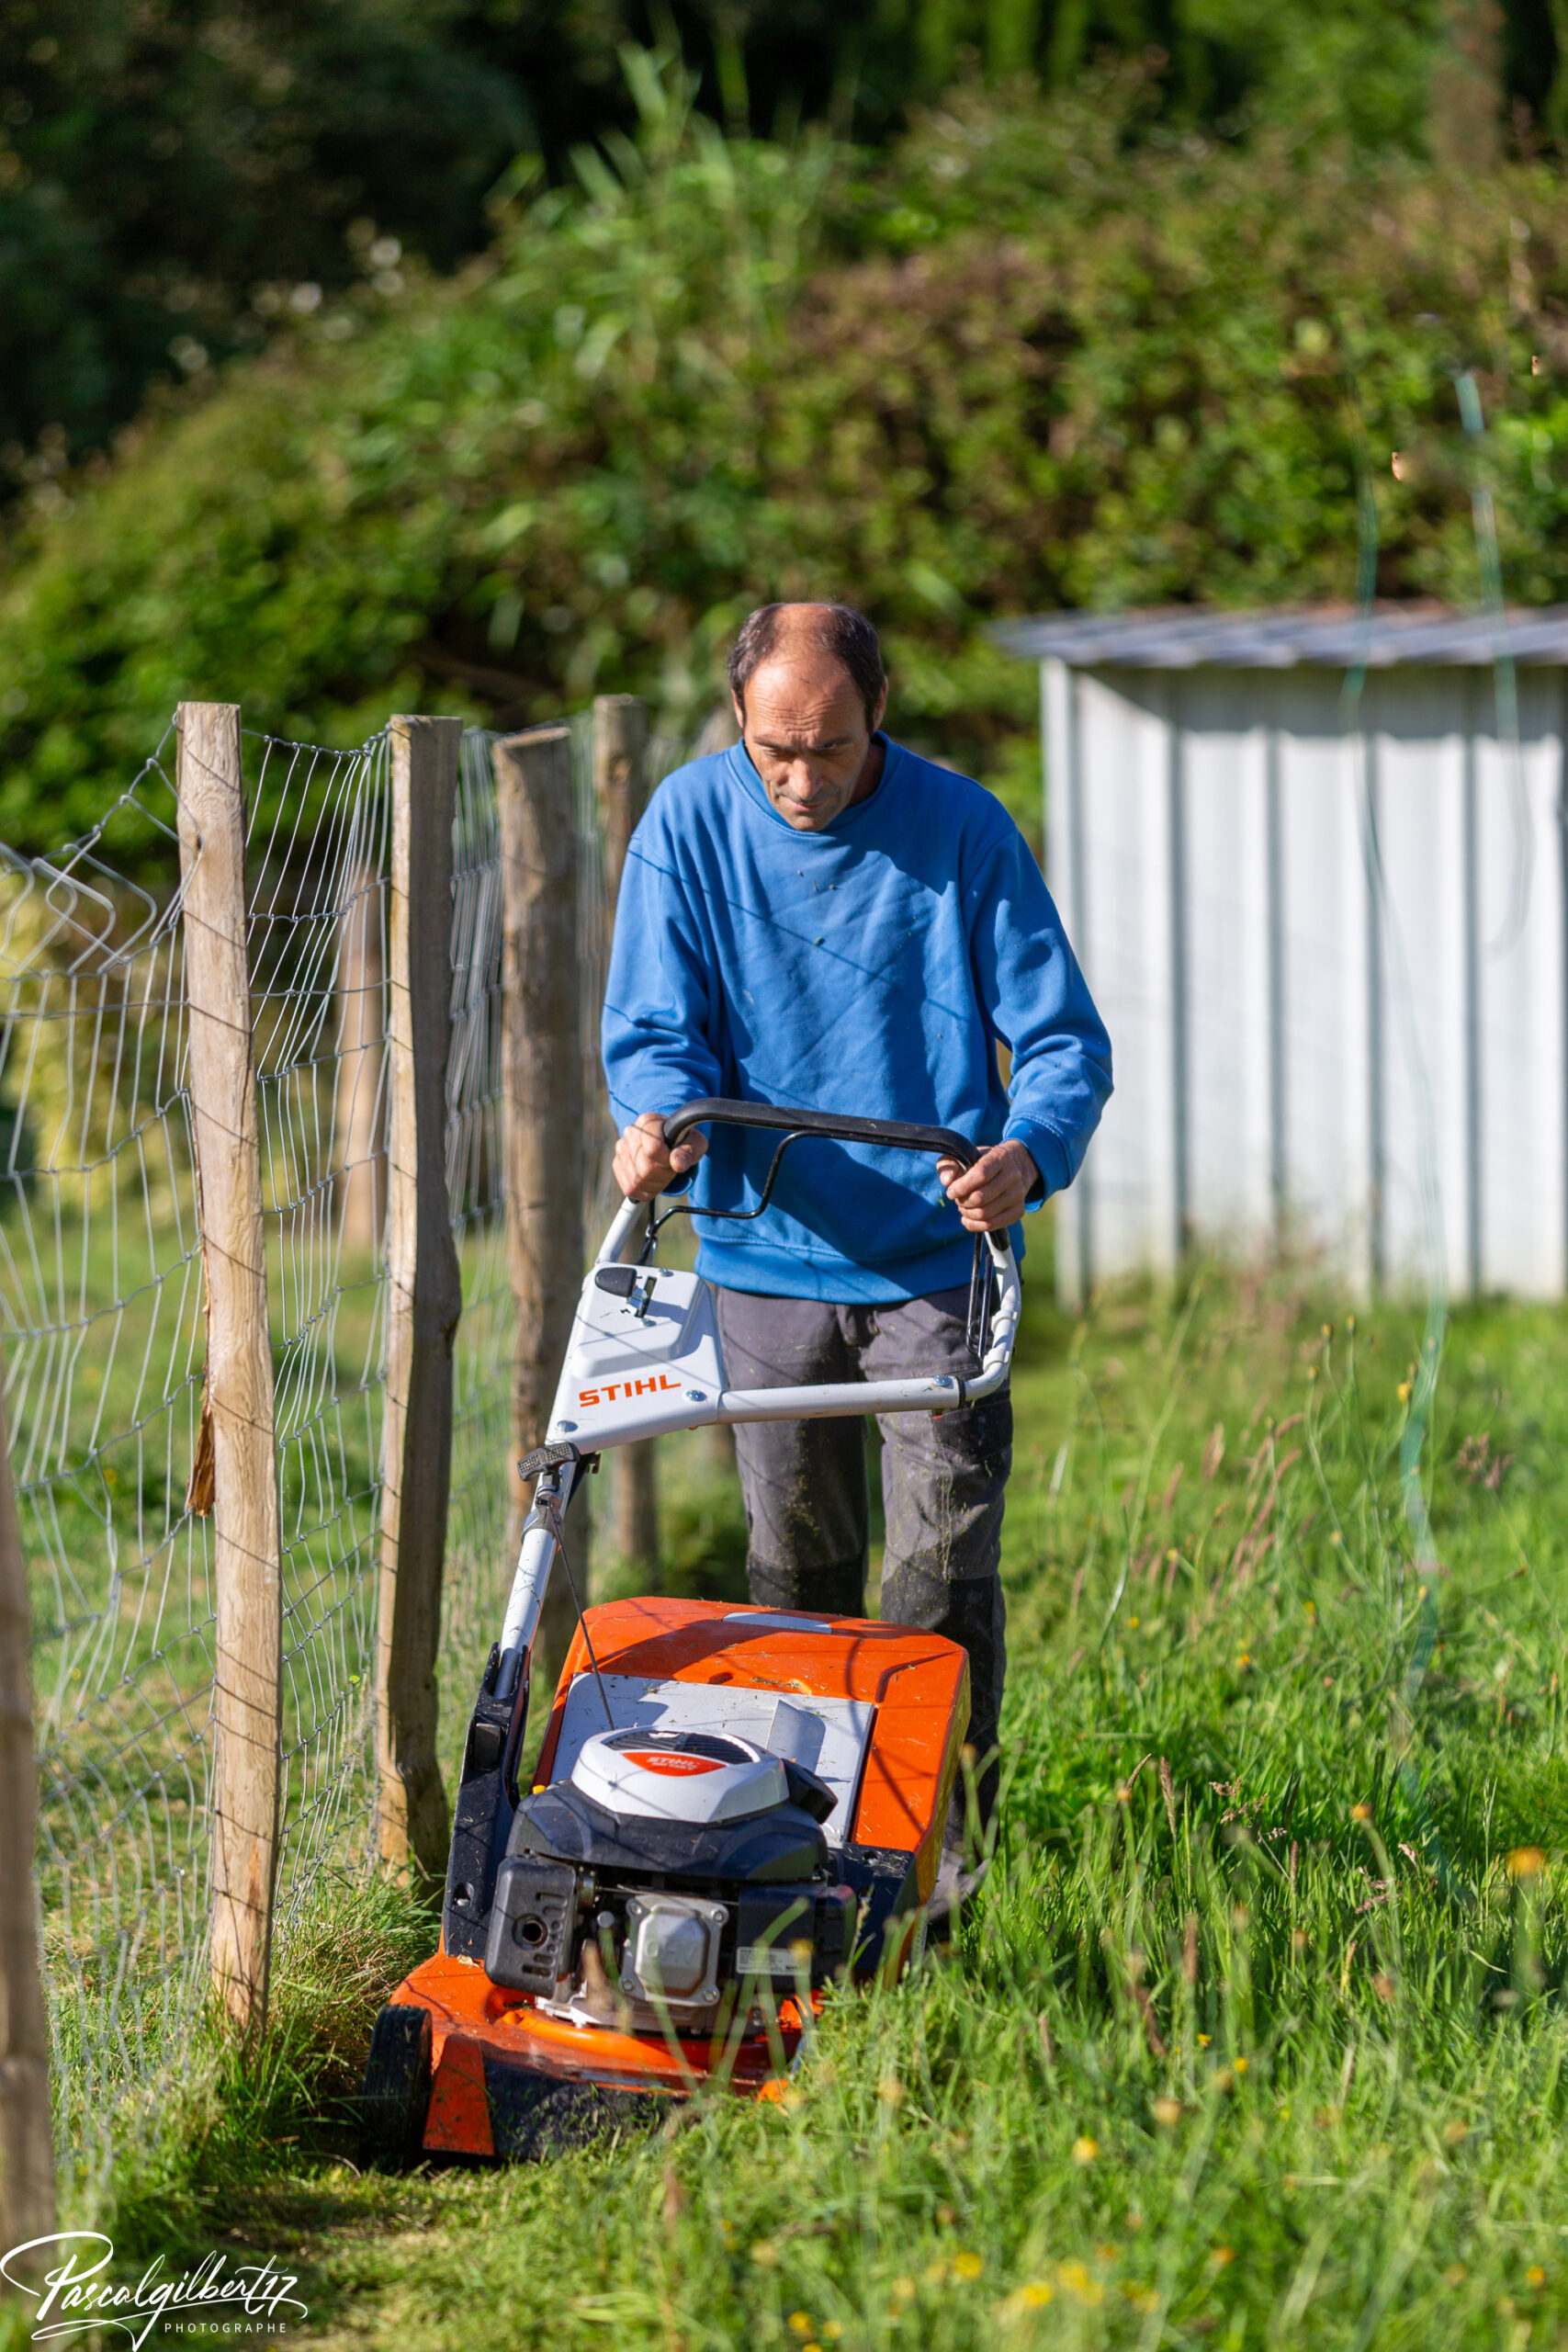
{"x":1304,"y":1055}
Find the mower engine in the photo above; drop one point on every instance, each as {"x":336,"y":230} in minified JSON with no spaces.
{"x":666,"y":1867}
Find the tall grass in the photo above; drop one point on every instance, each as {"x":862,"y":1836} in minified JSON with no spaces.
{"x":1255,"y":2034}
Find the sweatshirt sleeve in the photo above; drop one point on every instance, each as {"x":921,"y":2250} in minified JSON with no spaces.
{"x":1030,"y":982}
{"x":660,"y":1016}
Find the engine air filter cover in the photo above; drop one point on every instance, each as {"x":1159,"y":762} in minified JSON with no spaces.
{"x":680,"y":1776}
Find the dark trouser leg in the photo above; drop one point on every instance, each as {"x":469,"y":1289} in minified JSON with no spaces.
{"x":943,"y":1485}
{"x":804,"y":1482}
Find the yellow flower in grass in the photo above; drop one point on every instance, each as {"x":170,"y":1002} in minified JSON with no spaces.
{"x":1032,"y":2296}
{"x":967,"y":2265}
{"x":1526,"y":1861}
{"x":799,"y":2322}
{"x":1084,"y":2150}
{"x":1076,"y":2281}
{"x":1535,"y":2276}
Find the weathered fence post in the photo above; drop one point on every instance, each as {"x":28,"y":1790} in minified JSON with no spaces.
{"x":26,"y":2135}
{"x":238,"y":1396}
{"x":424,"y":1298}
{"x":620,"y":784}
{"x":542,"y":1104}
{"x":620,"y":776}
{"x":361,"y":1112}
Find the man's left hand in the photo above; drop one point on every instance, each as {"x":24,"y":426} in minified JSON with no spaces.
{"x":991,"y":1194}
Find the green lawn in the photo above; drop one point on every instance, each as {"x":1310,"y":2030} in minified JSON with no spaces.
{"x":1255,"y":2037}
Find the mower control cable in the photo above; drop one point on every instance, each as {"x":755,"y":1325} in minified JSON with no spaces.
{"x":688,"y":1208}
{"x":548,"y":1499}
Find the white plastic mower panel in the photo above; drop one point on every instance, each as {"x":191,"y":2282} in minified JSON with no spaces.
{"x":639,"y":1363}
{"x":828,"y":1736}
{"x":662,"y":1783}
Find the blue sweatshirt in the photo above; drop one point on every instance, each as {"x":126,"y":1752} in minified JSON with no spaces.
{"x":870,"y":968}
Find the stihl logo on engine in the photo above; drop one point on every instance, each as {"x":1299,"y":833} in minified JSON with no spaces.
{"x":625,"y":1389}
{"x":661,"y":1759}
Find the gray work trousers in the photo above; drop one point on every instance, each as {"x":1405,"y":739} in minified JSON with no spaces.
{"x":944,"y":1481}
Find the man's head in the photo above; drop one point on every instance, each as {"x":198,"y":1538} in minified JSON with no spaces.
{"x":809,"y":693}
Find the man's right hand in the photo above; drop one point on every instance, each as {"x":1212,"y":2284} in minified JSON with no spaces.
{"x":644,"y":1162}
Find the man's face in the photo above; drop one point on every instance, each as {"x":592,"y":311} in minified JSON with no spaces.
{"x":805,"y":729}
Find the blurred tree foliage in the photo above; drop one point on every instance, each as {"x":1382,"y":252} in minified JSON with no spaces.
{"x":164,"y":164}
{"x":1028,"y":361}
{"x":176,"y":173}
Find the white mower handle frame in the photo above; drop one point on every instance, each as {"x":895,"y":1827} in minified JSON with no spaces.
{"x":821,"y":1400}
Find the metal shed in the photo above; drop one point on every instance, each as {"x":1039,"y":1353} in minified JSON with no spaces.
{"x":1325,"y":922}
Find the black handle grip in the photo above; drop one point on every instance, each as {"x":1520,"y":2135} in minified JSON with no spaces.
{"x":714,"y":1111}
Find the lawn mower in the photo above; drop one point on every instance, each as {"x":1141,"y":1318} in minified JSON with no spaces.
{"x":731,"y":1808}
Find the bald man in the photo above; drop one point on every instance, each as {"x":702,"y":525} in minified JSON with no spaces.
{"x":820,"y":918}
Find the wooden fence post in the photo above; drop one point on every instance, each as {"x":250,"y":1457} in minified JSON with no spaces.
{"x":26,"y":2133}
{"x":620,"y":784}
{"x":542,"y":1110}
{"x":238,"y":1397}
{"x":361,"y":1113}
{"x":620,"y":776}
{"x":424,"y":1298}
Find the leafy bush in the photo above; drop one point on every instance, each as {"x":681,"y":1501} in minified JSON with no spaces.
{"x":1027,"y":363}
{"x":175,"y":176}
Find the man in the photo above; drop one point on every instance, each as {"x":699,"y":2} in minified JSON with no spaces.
{"x":819,"y":918}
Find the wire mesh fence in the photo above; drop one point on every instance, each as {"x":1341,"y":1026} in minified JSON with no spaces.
{"x":317,"y":856}
{"x":101,"y":1294}
{"x":102,"y":1310}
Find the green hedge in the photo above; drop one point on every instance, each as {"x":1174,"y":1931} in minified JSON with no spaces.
{"x":1027,"y":363}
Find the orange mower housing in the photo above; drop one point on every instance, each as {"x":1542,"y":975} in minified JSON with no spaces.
{"x":465,"y":2066}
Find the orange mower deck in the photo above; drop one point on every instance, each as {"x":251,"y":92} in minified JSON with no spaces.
{"x":509,"y":2079}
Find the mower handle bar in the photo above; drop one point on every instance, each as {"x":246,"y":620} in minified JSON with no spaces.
{"x":897,"y":1135}
{"x":560,"y":1465}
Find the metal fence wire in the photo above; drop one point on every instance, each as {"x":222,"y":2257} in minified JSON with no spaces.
{"x":101,"y":1294}
{"x":102,"y":1314}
